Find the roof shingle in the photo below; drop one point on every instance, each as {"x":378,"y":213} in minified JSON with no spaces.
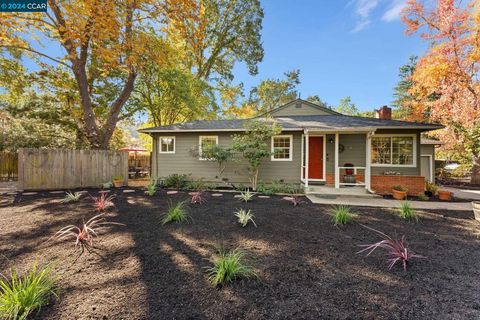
{"x":299,"y":123}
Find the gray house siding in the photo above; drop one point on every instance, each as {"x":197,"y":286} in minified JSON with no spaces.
{"x":300,"y":108}
{"x":428,"y":149}
{"x":183,"y":162}
{"x":354,"y":152}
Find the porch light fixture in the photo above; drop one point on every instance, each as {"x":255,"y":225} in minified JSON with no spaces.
{"x":330,"y":140}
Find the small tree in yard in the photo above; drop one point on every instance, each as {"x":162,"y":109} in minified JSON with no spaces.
{"x":219,"y":154}
{"x":254,"y":147}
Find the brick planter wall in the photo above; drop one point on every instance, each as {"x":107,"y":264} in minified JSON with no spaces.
{"x":384,"y":184}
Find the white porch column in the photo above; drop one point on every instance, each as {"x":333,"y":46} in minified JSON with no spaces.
{"x":368,"y":161}
{"x":337,"y":173}
{"x":307,"y":142}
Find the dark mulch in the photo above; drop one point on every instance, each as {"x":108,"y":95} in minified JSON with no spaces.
{"x":308,"y":268}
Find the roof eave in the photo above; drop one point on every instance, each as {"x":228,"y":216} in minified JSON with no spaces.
{"x":204,"y":130}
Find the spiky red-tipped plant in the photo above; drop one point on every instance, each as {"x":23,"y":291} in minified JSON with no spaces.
{"x":103,"y":202}
{"x":397,"y":249}
{"x":293,"y":199}
{"x":199,"y":197}
{"x":84,"y":234}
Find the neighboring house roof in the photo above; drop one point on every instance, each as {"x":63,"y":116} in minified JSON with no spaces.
{"x":298,"y":123}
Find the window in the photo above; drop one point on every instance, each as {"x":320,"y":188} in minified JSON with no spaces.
{"x":282,"y":148}
{"x":167,"y":145}
{"x":395,"y":150}
{"x":205,"y":142}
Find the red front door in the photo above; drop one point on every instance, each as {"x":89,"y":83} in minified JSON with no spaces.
{"x":315,"y":158}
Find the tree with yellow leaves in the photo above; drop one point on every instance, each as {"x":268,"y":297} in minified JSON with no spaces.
{"x":444,"y":85}
{"x":103,"y":44}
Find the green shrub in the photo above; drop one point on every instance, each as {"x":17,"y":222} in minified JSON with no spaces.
{"x":21,"y":295}
{"x":177,"y":181}
{"x":196,"y":185}
{"x":246,"y":196}
{"x":106,"y":185}
{"x":152,"y":187}
{"x":407,"y":212}
{"x":279,"y":187}
{"x":400,"y":188}
{"x":229,"y":266}
{"x":176,"y":213}
{"x":341,"y":215}
{"x":422,"y":197}
{"x":71,"y":197}
{"x":265,"y":189}
{"x":432,"y":187}
{"x":244,"y":217}
{"x":239,"y":187}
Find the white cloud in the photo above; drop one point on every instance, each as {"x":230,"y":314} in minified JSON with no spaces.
{"x":363,"y":10}
{"x":393,"y":13}
{"x":361,"y":25}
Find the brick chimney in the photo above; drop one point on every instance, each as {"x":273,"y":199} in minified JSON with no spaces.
{"x":384,"y":113}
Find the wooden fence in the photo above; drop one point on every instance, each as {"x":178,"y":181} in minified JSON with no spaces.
{"x":47,"y":169}
{"x":8,"y":166}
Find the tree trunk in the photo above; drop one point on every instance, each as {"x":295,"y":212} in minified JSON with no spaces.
{"x":254,"y":180}
{"x":475,"y":178}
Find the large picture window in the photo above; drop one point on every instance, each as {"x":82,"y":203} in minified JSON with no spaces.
{"x":204,"y":143}
{"x":395,"y":150}
{"x":167,"y":145}
{"x":282,"y":148}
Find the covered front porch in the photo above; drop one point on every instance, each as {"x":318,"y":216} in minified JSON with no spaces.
{"x":336,"y":162}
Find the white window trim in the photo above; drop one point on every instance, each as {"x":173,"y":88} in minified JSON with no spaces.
{"x":413,"y":165}
{"x":160,"y":144}
{"x":200,"y":146}
{"x":272,"y":157}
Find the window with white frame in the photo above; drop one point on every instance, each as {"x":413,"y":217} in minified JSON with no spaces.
{"x":393,"y":150}
{"x":282,"y":148}
{"x":204,"y":143}
{"x":167,"y":145}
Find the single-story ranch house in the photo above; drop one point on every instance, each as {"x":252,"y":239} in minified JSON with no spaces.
{"x":317,"y":146}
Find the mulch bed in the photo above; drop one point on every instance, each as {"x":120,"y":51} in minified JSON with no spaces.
{"x":308,"y":268}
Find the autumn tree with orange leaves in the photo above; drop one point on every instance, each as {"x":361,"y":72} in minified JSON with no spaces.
{"x":102,"y":42}
{"x":445,"y":83}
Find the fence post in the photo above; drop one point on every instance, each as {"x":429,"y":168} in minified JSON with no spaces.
{"x":21,"y":178}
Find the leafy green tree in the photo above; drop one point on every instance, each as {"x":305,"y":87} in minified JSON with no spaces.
{"x":172,"y":95}
{"x":402,"y":93}
{"x":27,"y":132}
{"x":216,"y":153}
{"x":316,"y":99}
{"x":254,"y":145}
{"x":347,"y":107}
{"x":271,"y":93}
{"x":221,"y":33}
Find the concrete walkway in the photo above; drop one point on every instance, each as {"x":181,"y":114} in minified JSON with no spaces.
{"x":386,"y":203}
{"x":463,"y":193}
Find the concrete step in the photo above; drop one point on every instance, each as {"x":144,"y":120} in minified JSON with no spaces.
{"x":332,"y":193}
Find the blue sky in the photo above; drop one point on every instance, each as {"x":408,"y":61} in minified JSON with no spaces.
{"x":342,"y":48}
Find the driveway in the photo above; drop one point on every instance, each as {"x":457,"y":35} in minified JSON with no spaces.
{"x":464,"y":193}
